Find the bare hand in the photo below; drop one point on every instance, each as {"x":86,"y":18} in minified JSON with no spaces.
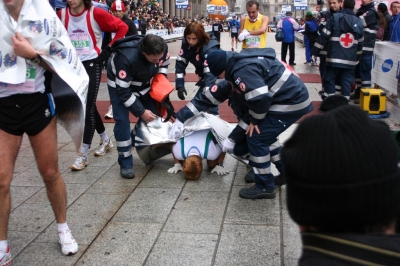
{"x":251,"y":128}
{"x":148,"y":116}
{"x":22,"y":47}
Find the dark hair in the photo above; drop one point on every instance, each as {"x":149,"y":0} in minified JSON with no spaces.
{"x":153,"y":45}
{"x":88,"y":3}
{"x":197,"y":29}
{"x":394,"y":2}
{"x":382,"y":7}
{"x":252,"y":3}
{"x":349,"y":4}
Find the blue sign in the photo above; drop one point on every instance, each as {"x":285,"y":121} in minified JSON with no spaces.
{"x":387,"y":65}
{"x":300,"y":8}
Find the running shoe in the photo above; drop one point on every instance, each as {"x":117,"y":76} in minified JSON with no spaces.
{"x":80,"y":163}
{"x":103,"y":148}
{"x":5,"y":257}
{"x":67,"y":242}
{"x":109,"y":114}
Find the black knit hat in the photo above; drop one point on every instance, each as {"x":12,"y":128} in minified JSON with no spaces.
{"x":216,"y":62}
{"x":341,"y":170}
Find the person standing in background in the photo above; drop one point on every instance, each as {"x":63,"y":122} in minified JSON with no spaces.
{"x":253,"y":28}
{"x":288,"y":26}
{"x":217,"y":29}
{"x":384,"y":10}
{"x":85,"y":24}
{"x":310,"y":37}
{"x":234,"y":27}
{"x":394,"y":27}
{"x":370,"y":20}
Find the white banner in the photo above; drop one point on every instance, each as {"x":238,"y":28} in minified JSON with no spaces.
{"x":217,"y":10}
{"x":386,"y":66}
{"x":286,"y":8}
{"x":300,"y":5}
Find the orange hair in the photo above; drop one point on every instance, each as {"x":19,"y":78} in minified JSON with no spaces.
{"x":192,"y":167}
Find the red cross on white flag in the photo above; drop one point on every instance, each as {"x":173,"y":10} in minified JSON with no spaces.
{"x":346,"y":40}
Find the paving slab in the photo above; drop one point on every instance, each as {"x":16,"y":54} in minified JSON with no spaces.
{"x":249,"y":245}
{"x":183,"y":249}
{"x":122,"y":244}
{"x":148,"y":205}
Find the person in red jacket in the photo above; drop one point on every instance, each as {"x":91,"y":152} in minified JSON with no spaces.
{"x":85,"y":25}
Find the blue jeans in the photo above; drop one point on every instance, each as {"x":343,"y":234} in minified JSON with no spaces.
{"x":308,"y":50}
{"x":122,"y":128}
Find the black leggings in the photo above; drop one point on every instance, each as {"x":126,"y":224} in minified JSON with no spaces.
{"x":92,"y":117}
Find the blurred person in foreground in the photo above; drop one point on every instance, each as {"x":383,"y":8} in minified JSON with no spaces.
{"x":343,"y":189}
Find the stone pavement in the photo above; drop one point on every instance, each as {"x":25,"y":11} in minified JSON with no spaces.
{"x":156,"y":218}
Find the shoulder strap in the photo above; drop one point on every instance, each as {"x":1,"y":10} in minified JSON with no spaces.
{"x":182,"y":140}
{"x":209,"y":138}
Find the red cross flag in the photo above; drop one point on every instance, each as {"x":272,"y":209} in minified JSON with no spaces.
{"x":346,"y":40}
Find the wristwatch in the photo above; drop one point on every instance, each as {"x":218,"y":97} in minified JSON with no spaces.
{"x":35,"y":61}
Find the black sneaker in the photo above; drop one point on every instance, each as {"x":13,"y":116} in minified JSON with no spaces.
{"x":292,"y":64}
{"x":256,"y":193}
{"x":278,"y":180}
{"x":355,"y":97}
{"x":127,"y":173}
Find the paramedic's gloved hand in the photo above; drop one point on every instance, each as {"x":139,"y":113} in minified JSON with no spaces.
{"x":176,"y":130}
{"x":220,"y":170}
{"x":181,"y":91}
{"x":228,"y":145}
{"x":104,"y":55}
{"x":173,"y":170}
{"x":243,"y":35}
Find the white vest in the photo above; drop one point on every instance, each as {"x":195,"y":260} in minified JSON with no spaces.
{"x":199,"y":142}
{"x":84,"y":32}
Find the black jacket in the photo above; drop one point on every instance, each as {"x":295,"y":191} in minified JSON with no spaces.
{"x":370,"y":19}
{"x":344,"y":249}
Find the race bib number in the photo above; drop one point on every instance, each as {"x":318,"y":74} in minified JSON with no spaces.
{"x":253,"y":41}
{"x":234,"y":29}
{"x":28,"y":86}
{"x":81,"y":43}
{"x":215,"y":28}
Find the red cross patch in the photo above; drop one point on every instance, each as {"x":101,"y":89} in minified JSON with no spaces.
{"x":122,"y":74}
{"x":242,"y":86}
{"x":180,"y":52}
{"x":346,"y":40}
{"x":214,"y":88}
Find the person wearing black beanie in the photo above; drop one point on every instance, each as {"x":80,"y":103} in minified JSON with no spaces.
{"x":266,"y":97}
{"x":343,"y":188}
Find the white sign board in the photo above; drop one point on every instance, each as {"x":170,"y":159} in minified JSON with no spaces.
{"x":386,"y":66}
{"x":300,"y":5}
{"x":286,"y":8}
{"x":182,"y":4}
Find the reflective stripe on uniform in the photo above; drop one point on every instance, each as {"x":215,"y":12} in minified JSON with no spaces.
{"x":211,"y":98}
{"x":130,"y":101}
{"x":192,"y":108}
{"x":275,"y":88}
{"x":124,"y":143}
{"x":290,"y":108}
{"x":257,"y":116}
{"x":243,"y":125}
{"x":256,"y":92}
{"x":125,"y":153}
{"x":261,"y":159}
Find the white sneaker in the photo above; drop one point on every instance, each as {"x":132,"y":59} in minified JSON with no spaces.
{"x":80,"y":163}
{"x":67,"y":242}
{"x":5,"y":257}
{"x":109,"y":114}
{"x":104,"y":147}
